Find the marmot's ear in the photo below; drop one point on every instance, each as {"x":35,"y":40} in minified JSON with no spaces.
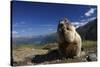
{"x":63,"y":20}
{"x":66,"y":20}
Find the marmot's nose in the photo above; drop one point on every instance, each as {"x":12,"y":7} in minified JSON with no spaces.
{"x":61,"y":25}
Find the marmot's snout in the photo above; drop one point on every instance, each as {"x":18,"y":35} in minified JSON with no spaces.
{"x":64,"y":25}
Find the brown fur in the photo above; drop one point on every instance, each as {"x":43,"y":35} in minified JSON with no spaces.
{"x":69,"y":40}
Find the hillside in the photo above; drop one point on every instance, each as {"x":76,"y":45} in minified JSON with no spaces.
{"x":89,"y":31}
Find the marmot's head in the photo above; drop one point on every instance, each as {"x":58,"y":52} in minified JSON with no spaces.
{"x":66,"y":31}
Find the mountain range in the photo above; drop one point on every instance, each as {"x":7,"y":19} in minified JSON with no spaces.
{"x":88,"y":31}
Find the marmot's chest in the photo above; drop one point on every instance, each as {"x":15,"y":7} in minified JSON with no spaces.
{"x":67,"y":45}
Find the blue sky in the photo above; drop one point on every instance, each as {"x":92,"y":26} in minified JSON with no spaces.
{"x":34,"y":18}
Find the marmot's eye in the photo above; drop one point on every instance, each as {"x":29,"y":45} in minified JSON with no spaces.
{"x":68,"y":28}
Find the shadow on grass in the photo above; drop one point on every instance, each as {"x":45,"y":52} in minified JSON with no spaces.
{"x":50,"y":56}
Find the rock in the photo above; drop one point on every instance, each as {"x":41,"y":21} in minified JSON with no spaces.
{"x":92,"y":57}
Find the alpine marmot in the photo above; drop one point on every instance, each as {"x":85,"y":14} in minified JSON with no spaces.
{"x":69,"y":40}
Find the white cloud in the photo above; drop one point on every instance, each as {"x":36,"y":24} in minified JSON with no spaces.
{"x":19,"y":24}
{"x":78,"y":24}
{"x":50,"y":29}
{"x":82,"y":16}
{"x":75,"y":23}
{"x":30,"y":29}
{"x":22,"y":22}
{"x":90,"y":12}
{"x":23,"y":31}
{"x":14,"y":24}
{"x":48,"y":25}
{"x":14,"y":32}
{"x":83,"y":22}
{"x":92,"y":18}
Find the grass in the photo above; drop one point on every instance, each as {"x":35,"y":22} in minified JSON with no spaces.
{"x":28,"y":46}
{"x":85,"y":44}
{"x":89,"y":44}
